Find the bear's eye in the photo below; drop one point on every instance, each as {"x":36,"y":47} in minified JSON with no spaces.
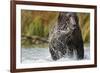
{"x":69,"y":16}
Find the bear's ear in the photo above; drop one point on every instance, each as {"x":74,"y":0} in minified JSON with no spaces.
{"x":60,"y":17}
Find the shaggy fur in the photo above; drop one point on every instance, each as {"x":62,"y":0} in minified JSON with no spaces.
{"x":65,"y":37}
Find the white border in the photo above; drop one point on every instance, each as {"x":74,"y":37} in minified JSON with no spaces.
{"x":51,"y":8}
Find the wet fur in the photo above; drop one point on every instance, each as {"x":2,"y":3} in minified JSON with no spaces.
{"x":65,"y":37}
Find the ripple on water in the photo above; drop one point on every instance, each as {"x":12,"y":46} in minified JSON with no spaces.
{"x":37,"y":55}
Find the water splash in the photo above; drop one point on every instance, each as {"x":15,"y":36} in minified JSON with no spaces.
{"x":42,"y":55}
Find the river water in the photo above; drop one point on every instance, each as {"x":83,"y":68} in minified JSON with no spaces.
{"x":40,"y":55}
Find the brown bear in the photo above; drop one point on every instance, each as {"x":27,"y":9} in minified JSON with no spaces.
{"x":65,"y":37}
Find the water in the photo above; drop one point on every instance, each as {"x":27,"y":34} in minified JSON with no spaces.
{"x":40,"y":55}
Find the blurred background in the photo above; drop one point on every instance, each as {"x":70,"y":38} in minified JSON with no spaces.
{"x":35,"y":26}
